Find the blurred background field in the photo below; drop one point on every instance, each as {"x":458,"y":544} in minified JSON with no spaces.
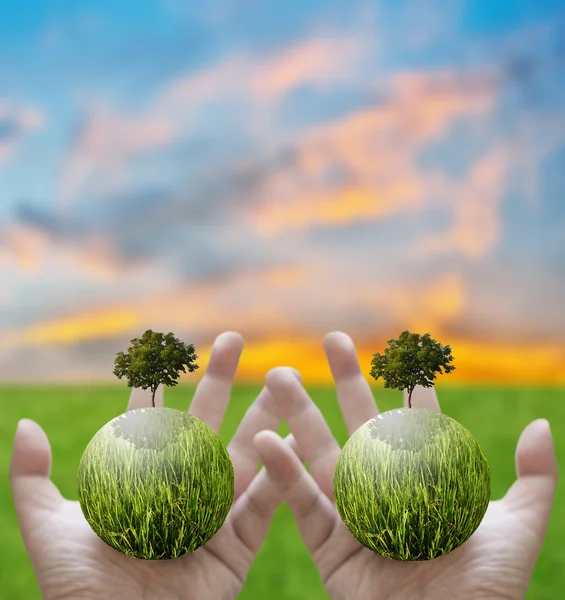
{"x":71,"y":415}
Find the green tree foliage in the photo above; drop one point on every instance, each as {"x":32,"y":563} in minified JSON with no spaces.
{"x":411,"y":360}
{"x":154,"y":358}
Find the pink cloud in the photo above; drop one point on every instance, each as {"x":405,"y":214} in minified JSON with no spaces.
{"x":111,"y":138}
{"x":319,"y":60}
{"x":379,"y":148}
{"x":475,"y":203}
{"x":24,"y":247}
{"x":267,"y":79}
{"x":108,"y":141}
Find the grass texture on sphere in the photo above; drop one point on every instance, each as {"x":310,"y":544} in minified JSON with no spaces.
{"x":155,"y":483}
{"x":412,"y":484}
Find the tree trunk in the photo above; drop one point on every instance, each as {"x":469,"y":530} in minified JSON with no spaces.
{"x":410,"y":398}
{"x":153,"y":397}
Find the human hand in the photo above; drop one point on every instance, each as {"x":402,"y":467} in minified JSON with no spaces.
{"x":495,"y":563}
{"x":71,"y":562}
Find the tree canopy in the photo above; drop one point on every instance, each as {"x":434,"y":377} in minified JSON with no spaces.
{"x":410,"y":360}
{"x":153,"y":359}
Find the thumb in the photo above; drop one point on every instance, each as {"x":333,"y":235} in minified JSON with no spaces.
{"x":536,"y":466}
{"x":34,"y":493}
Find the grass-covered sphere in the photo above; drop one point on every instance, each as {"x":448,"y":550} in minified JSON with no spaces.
{"x":412,"y":484}
{"x":155,"y":483}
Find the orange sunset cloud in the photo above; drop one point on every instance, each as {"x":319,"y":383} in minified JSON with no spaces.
{"x":272,"y":338}
{"x":379,"y":148}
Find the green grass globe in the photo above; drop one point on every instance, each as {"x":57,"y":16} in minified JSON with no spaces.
{"x":155,"y":483}
{"x":412,"y":484}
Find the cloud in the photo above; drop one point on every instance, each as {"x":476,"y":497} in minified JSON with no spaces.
{"x":6,"y":298}
{"x":23,"y":247}
{"x":321,"y":61}
{"x":15,"y":123}
{"x":138,"y":241}
{"x":476,"y":208}
{"x":347,"y":173}
{"x":107,"y":139}
{"x":284,"y":304}
{"x":375,"y":151}
{"x":511,"y":300}
{"x":433,"y":306}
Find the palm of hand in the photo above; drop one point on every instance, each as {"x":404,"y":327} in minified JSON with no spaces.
{"x":481,"y":568}
{"x":71,"y":562}
{"x":495,"y":563}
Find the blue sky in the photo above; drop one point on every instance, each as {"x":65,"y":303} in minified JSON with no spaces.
{"x":232,"y":146}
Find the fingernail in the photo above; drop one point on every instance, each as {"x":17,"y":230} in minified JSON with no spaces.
{"x":297,"y":374}
{"x":20,"y":423}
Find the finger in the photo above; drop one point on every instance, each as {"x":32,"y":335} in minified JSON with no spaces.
{"x":249,"y":521}
{"x":142,"y":398}
{"x":308,"y":426}
{"x":260,"y":415}
{"x":253,"y":512}
{"x":354,"y":394}
{"x":35,"y":495}
{"x":313,"y":512}
{"x":423,"y":397}
{"x":213,"y":391}
{"x":536,"y":465}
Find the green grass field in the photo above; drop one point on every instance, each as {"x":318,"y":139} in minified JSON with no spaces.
{"x":283,"y":570}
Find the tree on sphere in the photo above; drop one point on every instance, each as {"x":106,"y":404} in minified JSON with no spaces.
{"x":410,"y":360}
{"x":154,"y":358}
